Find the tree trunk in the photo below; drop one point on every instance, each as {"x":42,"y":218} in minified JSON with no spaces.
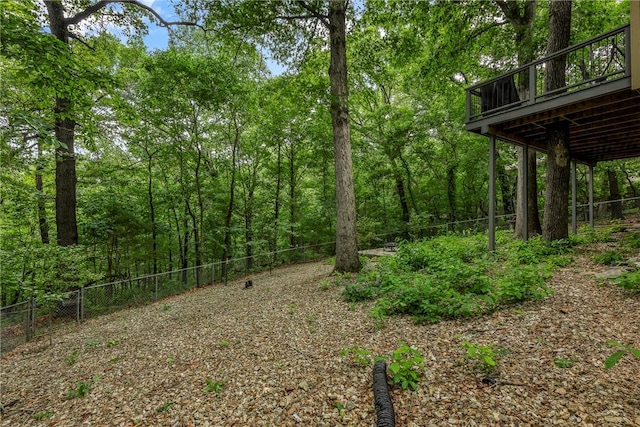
{"x":403,"y":205}
{"x":506,"y":188}
{"x":634,"y":192}
{"x":556,"y":198}
{"x":614,"y":195}
{"x":276,"y":205}
{"x":556,"y":215}
{"x":42,"y":211}
{"x":232,"y":189}
{"x":152,"y":212}
{"x":533,"y":223}
{"x":292,"y":196}
{"x":407,"y":171}
{"x":521,"y":16}
{"x":198,"y":223}
{"x":184,"y":255}
{"x":346,"y":244}
{"x":248,"y":218}
{"x":66,"y":224}
{"x":451,"y":193}
{"x":197,"y":250}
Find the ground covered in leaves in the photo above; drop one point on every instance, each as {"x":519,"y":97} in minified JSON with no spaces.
{"x":272,"y":355}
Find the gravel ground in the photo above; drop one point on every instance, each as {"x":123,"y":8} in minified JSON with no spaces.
{"x":271,"y":356}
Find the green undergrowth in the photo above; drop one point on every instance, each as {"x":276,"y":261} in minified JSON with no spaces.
{"x":455,"y":276}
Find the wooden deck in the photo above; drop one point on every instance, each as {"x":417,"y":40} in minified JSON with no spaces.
{"x":602,"y":109}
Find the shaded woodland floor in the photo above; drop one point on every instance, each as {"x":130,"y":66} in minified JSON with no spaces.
{"x":271,"y":356}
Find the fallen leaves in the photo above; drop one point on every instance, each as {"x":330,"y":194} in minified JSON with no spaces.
{"x":276,"y":348}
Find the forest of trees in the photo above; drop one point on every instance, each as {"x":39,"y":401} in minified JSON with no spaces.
{"x":118,"y":161}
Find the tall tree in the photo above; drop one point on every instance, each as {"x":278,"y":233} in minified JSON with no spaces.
{"x":346,"y":245}
{"x":614,"y":194}
{"x":285,"y":26}
{"x":521,"y":15}
{"x":61,"y":21}
{"x":556,"y":201}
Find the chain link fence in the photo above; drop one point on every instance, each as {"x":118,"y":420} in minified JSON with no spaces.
{"x":25,"y":320}
{"x":36,"y":317}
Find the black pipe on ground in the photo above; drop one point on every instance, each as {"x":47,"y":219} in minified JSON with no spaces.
{"x":384,"y":408}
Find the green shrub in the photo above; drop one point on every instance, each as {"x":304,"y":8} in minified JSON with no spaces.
{"x":632,"y":240}
{"x":455,"y":276}
{"x":629,"y":281}
{"x":406,"y":367}
{"x":607,"y":258}
{"x":522,"y":283}
{"x":485,"y":355}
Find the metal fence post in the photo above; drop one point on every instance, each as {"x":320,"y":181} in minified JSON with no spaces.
{"x":80,"y":305}
{"x":28,"y":326}
{"x":155,"y":297}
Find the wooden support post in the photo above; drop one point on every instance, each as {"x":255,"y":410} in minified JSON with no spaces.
{"x":492,"y":192}
{"x":525,"y":199}
{"x":574,"y":198}
{"x":591,"y":220}
{"x":532,"y":84}
{"x":632,"y":60}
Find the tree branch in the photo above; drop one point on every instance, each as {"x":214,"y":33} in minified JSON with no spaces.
{"x":294,"y":17}
{"x":75,"y":37}
{"x":81,"y":16}
{"x":322,"y":18}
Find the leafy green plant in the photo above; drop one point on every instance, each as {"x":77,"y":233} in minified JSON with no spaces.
{"x":291,"y":308}
{"x":456,"y":277}
{"x":164,"y":407}
{"x":521,"y":284}
{"x":360,"y":356}
{"x":112,"y":343}
{"x":166,"y":307}
{"x":341,"y":409}
{"x":632,"y":240}
{"x":224,"y":343}
{"x":406,"y":367}
{"x":486,"y":355}
{"x":629,"y":281}
{"x":623,"y":349}
{"x":44,"y":415}
{"x":93,"y":343}
{"x":378,"y":315}
{"x":563,"y":363}
{"x":213,"y":386}
{"x":325,"y":285}
{"x":607,"y":258}
{"x":72,"y":359}
{"x":80,"y":390}
{"x":312,"y":322}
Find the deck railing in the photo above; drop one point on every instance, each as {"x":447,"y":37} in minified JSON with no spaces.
{"x":600,"y":60}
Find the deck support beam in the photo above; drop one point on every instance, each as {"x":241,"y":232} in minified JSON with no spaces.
{"x":492,"y":192}
{"x":591,"y":223}
{"x":574,"y":198}
{"x":525,"y":199}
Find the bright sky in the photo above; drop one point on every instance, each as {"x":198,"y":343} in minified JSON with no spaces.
{"x":158,"y":37}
